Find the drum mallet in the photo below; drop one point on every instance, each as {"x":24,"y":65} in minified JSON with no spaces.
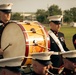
{"x":7,"y":46}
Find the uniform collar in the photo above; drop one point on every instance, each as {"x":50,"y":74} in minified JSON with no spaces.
{"x":2,"y":23}
{"x":54,"y":31}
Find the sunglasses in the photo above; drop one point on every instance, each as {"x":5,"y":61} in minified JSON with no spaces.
{"x":6,"y":11}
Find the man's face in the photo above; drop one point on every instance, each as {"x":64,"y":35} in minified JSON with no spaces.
{"x":8,"y":72}
{"x":55,"y":27}
{"x":5,"y":17}
{"x":40,"y":69}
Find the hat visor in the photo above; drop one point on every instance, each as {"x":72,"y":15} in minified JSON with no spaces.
{"x":6,"y":11}
{"x":44,"y":62}
{"x":56,"y":22}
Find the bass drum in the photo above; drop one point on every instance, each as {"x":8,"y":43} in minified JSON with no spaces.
{"x":25,"y":38}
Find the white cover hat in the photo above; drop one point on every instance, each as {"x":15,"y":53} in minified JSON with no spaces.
{"x":55,"y":18}
{"x":6,"y":6}
{"x":14,"y":61}
{"x":41,"y":55}
{"x":69,"y":54}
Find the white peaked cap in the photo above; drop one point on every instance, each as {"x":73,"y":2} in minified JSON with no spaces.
{"x":41,"y":55}
{"x":69,"y":54}
{"x":6,"y":6}
{"x":14,"y":61}
{"x":55,"y":18}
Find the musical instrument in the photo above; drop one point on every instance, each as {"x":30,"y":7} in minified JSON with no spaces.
{"x":24,"y":38}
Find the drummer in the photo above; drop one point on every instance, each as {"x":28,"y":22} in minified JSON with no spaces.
{"x":5,"y":15}
{"x":41,"y":63}
{"x":10,"y":71}
{"x":57,"y":60}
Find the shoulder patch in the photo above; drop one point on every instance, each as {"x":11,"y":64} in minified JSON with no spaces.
{"x":62,"y":38}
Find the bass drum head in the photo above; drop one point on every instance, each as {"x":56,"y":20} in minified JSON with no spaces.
{"x":13,"y":35}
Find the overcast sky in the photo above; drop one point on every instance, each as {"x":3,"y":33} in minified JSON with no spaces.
{"x":33,"y":5}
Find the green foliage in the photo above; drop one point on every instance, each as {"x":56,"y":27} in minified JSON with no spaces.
{"x":67,"y":16}
{"x":41,"y":16}
{"x":70,"y":15}
{"x":73,"y":13}
{"x":54,"y":10}
{"x":16,"y":16}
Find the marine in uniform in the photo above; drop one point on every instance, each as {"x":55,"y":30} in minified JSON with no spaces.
{"x":10,"y":70}
{"x":5,"y":15}
{"x":55,"y":25}
{"x":11,"y":65}
{"x":41,"y":63}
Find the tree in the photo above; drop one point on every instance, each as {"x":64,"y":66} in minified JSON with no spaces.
{"x":54,"y":10}
{"x":41,"y":16}
{"x":70,"y":15}
{"x":67,"y":16}
{"x":73,"y":13}
{"x":16,"y":16}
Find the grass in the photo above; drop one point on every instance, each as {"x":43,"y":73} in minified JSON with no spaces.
{"x":68,"y":32}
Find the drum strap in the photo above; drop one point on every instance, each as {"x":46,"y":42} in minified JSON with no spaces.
{"x":59,"y":45}
{"x":56,"y":40}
